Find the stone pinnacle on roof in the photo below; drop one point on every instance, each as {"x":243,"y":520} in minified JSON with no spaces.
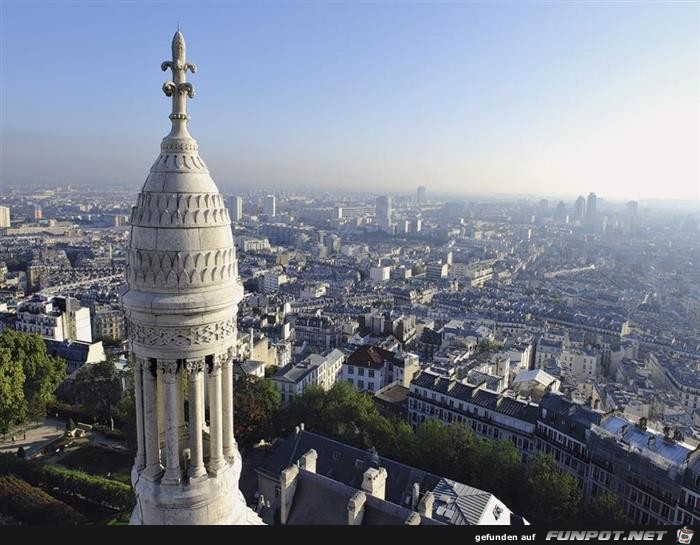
{"x":179,"y":88}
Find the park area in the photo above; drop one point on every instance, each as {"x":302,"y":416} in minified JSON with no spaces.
{"x":75,"y":482}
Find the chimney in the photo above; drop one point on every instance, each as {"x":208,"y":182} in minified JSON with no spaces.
{"x":413,"y":519}
{"x":356,"y":508}
{"x":374,"y":482}
{"x":288,"y":485}
{"x":425,"y":506}
{"x":415,"y":495}
{"x":308,"y":461}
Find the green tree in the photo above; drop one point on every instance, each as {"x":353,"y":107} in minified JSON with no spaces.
{"x":256,"y":402}
{"x":552,"y":497}
{"x":125,"y":412}
{"x":13,"y":407}
{"x":98,"y":388}
{"x":42,"y":373}
{"x":510,"y":477}
{"x":603,"y":510}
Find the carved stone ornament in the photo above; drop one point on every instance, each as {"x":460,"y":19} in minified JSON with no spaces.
{"x":195,"y":366}
{"x":181,"y":336}
{"x":168,"y":367}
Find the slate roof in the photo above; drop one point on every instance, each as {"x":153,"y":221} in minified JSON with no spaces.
{"x":484,"y":398}
{"x":372,"y":357}
{"x":671,"y":452}
{"x":347,"y":465}
{"x":319,"y":500}
{"x":569,"y":418}
{"x":457,"y":503}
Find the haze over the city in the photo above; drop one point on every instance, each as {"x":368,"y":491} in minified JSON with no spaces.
{"x":540,"y":98}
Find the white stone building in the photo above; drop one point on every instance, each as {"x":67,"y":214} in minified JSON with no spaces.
{"x":235,"y":208}
{"x":273,"y":279}
{"x":4,"y":216}
{"x":580,"y":364}
{"x":371,"y":368}
{"x":181,"y":305}
{"x":294,"y":379}
{"x":379,"y":273}
{"x":56,"y":319}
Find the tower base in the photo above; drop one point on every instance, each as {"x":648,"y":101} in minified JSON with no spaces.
{"x":209,"y":500}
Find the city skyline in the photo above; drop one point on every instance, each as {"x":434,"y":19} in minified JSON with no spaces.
{"x":472,"y":98}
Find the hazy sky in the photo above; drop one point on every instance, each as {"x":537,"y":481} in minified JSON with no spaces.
{"x":548,"y":98}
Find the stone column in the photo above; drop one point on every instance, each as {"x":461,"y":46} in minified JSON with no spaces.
{"x":196,"y":391}
{"x":153,"y":467}
{"x":229,"y":443}
{"x":181,"y":426}
{"x":160,"y":400}
{"x":216,"y":451}
{"x":169,"y":370}
{"x":139,"y":364}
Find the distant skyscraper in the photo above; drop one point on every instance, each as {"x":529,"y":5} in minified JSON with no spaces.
{"x":544,"y":203}
{"x":580,"y":208}
{"x":591,"y":206}
{"x":561,"y":211}
{"x":235,"y":208}
{"x":4,"y":216}
{"x":383,"y":213}
{"x":420,"y":196}
{"x":270,"y":208}
{"x":37,"y":212}
{"x":632,"y":208}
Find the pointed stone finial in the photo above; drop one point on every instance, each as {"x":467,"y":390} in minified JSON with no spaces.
{"x":179,"y":88}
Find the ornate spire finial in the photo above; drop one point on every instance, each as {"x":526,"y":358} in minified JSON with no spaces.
{"x":179,"y":87}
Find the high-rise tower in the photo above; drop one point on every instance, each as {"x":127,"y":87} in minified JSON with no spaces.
{"x":580,"y":208}
{"x":383,"y":213}
{"x":591,"y":206}
{"x":181,"y":304}
{"x":270,"y":206}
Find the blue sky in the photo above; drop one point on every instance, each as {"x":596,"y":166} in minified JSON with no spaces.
{"x":504,"y":97}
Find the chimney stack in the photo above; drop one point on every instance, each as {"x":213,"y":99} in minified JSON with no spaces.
{"x":356,"y":508}
{"x":415,"y":495}
{"x":413,"y":519}
{"x":374,"y":482}
{"x":425,"y":506}
{"x":308,"y":460}
{"x":288,"y":486}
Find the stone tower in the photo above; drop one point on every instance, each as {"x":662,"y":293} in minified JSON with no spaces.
{"x":181,"y":303}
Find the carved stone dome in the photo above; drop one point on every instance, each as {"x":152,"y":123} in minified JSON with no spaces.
{"x":182,"y":274}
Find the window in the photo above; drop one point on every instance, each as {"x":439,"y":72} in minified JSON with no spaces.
{"x":361,"y":372}
{"x":351,"y":381}
{"x":361,"y":384}
{"x":370,"y":372}
{"x":351,"y":370}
